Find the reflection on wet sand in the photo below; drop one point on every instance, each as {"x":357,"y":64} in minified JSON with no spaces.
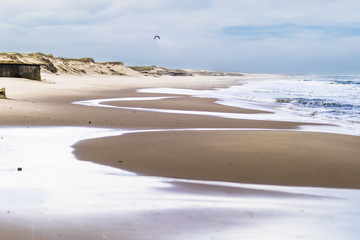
{"x":57,"y":192}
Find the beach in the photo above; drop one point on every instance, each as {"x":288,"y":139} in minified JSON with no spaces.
{"x":167,"y":136}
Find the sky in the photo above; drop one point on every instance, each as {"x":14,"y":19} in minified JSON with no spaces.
{"x":254,"y":36}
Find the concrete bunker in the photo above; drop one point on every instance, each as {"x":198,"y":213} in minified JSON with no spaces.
{"x":20,"y":70}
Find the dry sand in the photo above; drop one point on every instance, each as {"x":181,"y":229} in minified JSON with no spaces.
{"x":268,"y":157}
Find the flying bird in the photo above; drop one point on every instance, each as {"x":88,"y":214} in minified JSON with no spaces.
{"x":157,"y":37}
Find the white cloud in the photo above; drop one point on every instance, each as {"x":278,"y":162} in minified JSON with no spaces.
{"x":192,"y":32}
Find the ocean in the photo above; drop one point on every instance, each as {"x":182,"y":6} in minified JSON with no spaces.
{"x":318,"y":98}
{"x":328,"y":99}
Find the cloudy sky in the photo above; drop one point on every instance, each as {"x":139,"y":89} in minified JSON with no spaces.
{"x":265,"y":36}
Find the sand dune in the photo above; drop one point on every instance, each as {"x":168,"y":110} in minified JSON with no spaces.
{"x":59,"y":65}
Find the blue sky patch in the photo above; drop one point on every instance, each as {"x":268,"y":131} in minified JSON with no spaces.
{"x":288,"y":30}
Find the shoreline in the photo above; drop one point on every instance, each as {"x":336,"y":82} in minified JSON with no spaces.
{"x":58,"y":196}
{"x":56,"y":108}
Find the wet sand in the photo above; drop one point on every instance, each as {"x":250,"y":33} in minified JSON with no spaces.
{"x":261,"y":157}
{"x":282,"y":156}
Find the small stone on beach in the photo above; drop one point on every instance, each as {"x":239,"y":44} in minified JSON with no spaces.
{"x":2,"y":93}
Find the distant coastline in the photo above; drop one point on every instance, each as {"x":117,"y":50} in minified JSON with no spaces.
{"x":83,"y":66}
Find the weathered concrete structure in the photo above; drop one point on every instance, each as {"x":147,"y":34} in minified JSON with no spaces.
{"x":29,"y":71}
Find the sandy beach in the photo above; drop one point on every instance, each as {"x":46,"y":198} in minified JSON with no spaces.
{"x":266,"y":157}
{"x":223,"y":149}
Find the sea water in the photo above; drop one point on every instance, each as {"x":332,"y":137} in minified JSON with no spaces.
{"x":331,"y":99}
{"x":303,"y":98}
